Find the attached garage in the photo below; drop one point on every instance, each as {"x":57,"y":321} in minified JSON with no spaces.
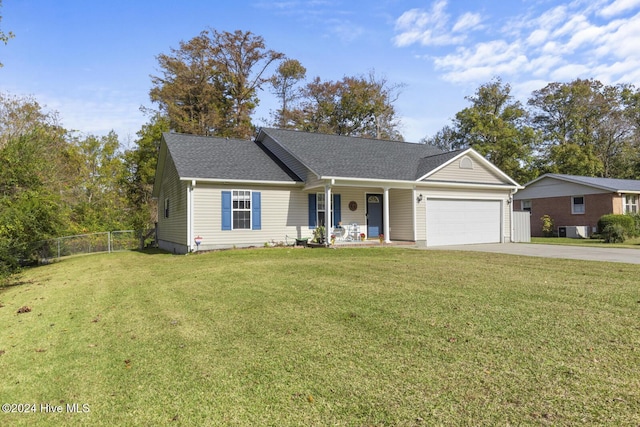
{"x":462,"y":222}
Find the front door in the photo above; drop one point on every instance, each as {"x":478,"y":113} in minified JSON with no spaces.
{"x":374,"y":215}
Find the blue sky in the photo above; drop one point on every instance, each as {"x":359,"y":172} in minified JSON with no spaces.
{"x":91,"y":60}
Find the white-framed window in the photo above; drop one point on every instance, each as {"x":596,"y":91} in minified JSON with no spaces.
{"x":166,"y":208}
{"x":526,"y":205}
{"x":577,"y":204}
{"x":241,"y":209}
{"x":321,"y":209}
{"x":631,"y":203}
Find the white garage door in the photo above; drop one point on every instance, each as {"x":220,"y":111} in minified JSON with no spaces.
{"x":458,"y":222}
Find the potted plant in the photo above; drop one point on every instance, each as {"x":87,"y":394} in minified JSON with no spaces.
{"x":362,"y":236}
{"x":381,"y":237}
{"x":333,"y":239}
{"x":318,"y":235}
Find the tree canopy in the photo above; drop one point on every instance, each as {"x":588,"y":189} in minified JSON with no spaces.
{"x":209,"y":84}
{"x":495,"y":125}
{"x":580,"y":128}
{"x":354,"y":106}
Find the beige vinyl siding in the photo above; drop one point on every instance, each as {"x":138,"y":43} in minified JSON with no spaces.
{"x":401,"y":215}
{"x":350,"y":194}
{"x":283,"y":216}
{"x":463,"y":194}
{"x":174,"y":228}
{"x":454,"y":173}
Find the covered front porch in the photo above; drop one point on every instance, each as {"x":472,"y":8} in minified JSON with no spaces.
{"x":356,"y":215}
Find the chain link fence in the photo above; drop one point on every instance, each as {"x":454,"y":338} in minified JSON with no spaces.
{"x":107,"y":241}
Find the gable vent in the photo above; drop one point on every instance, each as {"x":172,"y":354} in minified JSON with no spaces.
{"x":466,"y":163}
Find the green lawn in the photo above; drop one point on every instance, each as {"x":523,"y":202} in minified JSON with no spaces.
{"x":353,"y":337}
{"x":629,"y":243}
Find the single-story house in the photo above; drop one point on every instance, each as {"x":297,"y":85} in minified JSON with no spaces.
{"x":575,"y":203}
{"x":219,"y":193}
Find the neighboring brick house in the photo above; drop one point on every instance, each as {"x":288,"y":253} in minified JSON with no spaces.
{"x":575,"y":203}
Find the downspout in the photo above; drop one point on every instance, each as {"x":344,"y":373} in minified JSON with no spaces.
{"x":190,"y":215}
{"x":328,"y":208}
{"x":510,"y":204}
{"x":414,"y":207}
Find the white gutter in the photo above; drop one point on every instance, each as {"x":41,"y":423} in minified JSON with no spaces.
{"x":240,"y":181}
{"x":412,"y":184}
{"x":511,"y":215}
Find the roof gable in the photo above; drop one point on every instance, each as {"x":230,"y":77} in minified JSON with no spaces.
{"x":468,"y":166}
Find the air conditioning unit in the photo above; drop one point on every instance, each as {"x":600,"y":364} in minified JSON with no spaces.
{"x":574,"y":231}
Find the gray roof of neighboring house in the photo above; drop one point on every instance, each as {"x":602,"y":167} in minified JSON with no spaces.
{"x":208,"y":157}
{"x":611,"y":184}
{"x":352,"y":157}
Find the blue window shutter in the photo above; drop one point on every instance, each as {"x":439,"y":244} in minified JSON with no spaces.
{"x":337,"y":217}
{"x":312,"y":211}
{"x":226,"y":210}
{"x":256,"y":223}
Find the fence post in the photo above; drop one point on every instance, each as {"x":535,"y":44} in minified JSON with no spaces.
{"x":58,"y":239}
{"x":109,"y":241}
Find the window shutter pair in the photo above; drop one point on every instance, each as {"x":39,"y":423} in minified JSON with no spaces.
{"x":337,"y":217}
{"x":256,"y":208}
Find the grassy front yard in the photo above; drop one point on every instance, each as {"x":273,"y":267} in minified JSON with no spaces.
{"x":629,"y":243}
{"x":365,"y":336}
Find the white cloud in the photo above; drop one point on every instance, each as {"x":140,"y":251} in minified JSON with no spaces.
{"x":538,"y":37}
{"x":568,"y":41}
{"x":468,"y":21}
{"x":618,"y":7}
{"x":430,"y":27}
{"x":569,"y":72}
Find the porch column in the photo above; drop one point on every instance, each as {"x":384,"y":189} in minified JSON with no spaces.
{"x":385,"y":215}
{"x":327,"y":215}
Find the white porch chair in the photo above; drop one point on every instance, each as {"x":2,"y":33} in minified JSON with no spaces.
{"x":354,"y":232}
{"x":340,"y":233}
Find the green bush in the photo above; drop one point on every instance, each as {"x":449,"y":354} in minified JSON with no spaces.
{"x":625,"y":221}
{"x":636,"y":221}
{"x":614,"y":233}
{"x":547,"y":225}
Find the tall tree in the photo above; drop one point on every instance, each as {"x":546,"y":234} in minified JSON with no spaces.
{"x":445,"y":139}
{"x":289,"y":73}
{"x":354,"y":106}
{"x":209,"y":85}
{"x":4,"y":37}
{"x":188,"y":91}
{"x":584,"y":127}
{"x":35,"y":164}
{"x":101,"y":204}
{"x":495,"y":125}
{"x":140,"y":166}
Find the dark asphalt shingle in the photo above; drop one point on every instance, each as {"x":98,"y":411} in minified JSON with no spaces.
{"x":349,"y":157}
{"x":219,"y":158}
{"x":327,"y":155}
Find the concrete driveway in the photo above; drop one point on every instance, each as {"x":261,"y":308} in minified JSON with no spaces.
{"x":630,"y":256}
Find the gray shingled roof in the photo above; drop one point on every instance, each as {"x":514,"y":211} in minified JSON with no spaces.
{"x":611,"y":184}
{"x":349,"y":157}
{"x":218,"y":158}
{"x":427,"y":164}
